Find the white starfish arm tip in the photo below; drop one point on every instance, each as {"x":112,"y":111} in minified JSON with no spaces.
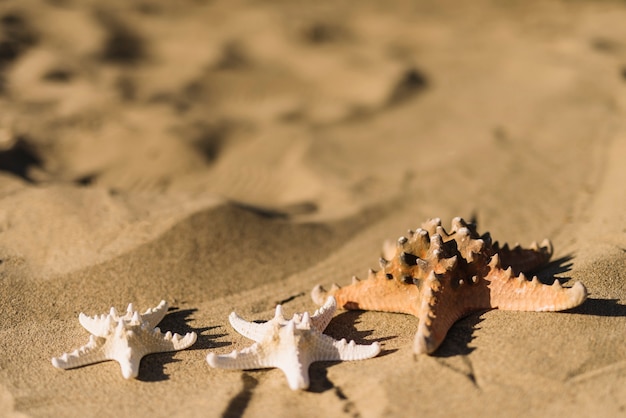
{"x":211,"y":358}
{"x":130,"y":371}
{"x":188,"y":340}
{"x":298,"y":380}
{"x":422,"y":343}
{"x":224,"y":361}
{"x":56,"y":363}
{"x":318,"y":294}
{"x":233,"y":317}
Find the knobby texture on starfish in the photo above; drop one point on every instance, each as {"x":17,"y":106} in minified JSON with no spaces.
{"x":291,"y":345}
{"x":441,"y":277}
{"x":125,"y":339}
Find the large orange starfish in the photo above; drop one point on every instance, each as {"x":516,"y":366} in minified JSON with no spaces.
{"x":441,"y":277}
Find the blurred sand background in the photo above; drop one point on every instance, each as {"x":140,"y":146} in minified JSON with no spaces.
{"x":230,"y":155}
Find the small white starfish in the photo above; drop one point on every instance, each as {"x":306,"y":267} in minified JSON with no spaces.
{"x":125,"y":339}
{"x":291,"y":345}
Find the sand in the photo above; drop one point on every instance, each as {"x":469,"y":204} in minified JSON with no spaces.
{"x":230,"y":155}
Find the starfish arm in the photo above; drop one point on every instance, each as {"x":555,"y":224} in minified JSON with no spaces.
{"x":157,"y":342}
{"x":128,"y":352}
{"x":376,"y":293}
{"x":88,"y":354}
{"x":296,"y":368}
{"x":349,"y":351}
{"x":516,"y":293}
{"x":99,"y":326}
{"x":326,"y":348}
{"x":441,"y":307}
{"x":250,"y":330}
{"x":433,"y":326}
{"x":128,"y":355}
{"x":322,"y":317}
{"x":153,"y":316}
{"x":129,"y":364}
{"x":248,"y":358}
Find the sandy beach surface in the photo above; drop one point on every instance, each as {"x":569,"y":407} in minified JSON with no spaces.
{"x":231,"y":155}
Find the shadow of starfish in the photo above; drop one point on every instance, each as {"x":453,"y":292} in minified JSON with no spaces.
{"x":459,"y":337}
{"x":601,"y":307}
{"x":152,"y":367}
{"x":547,"y":274}
{"x":238,"y":404}
{"x":343,"y":326}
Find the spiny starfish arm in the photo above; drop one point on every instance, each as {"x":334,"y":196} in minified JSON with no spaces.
{"x":256,"y":332}
{"x":248,"y":358}
{"x":296,"y":368}
{"x":322,"y":317}
{"x":325,"y":348}
{"x":429,"y":336}
{"x":516,"y":293}
{"x":157,"y":342}
{"x":376,"y":293}
{"x":99,"y":325}
{"x":153,"y":316}
{"x":88,"y":354}
{"x":250,"y":330}
{"x":349,"y":351}
{"x":524,"y":259}
{"x":121,"y":346}
{"x":445,"y":301}
{"x":129,"y":361}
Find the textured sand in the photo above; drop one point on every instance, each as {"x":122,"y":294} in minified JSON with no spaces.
{"x":230,"y":155}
